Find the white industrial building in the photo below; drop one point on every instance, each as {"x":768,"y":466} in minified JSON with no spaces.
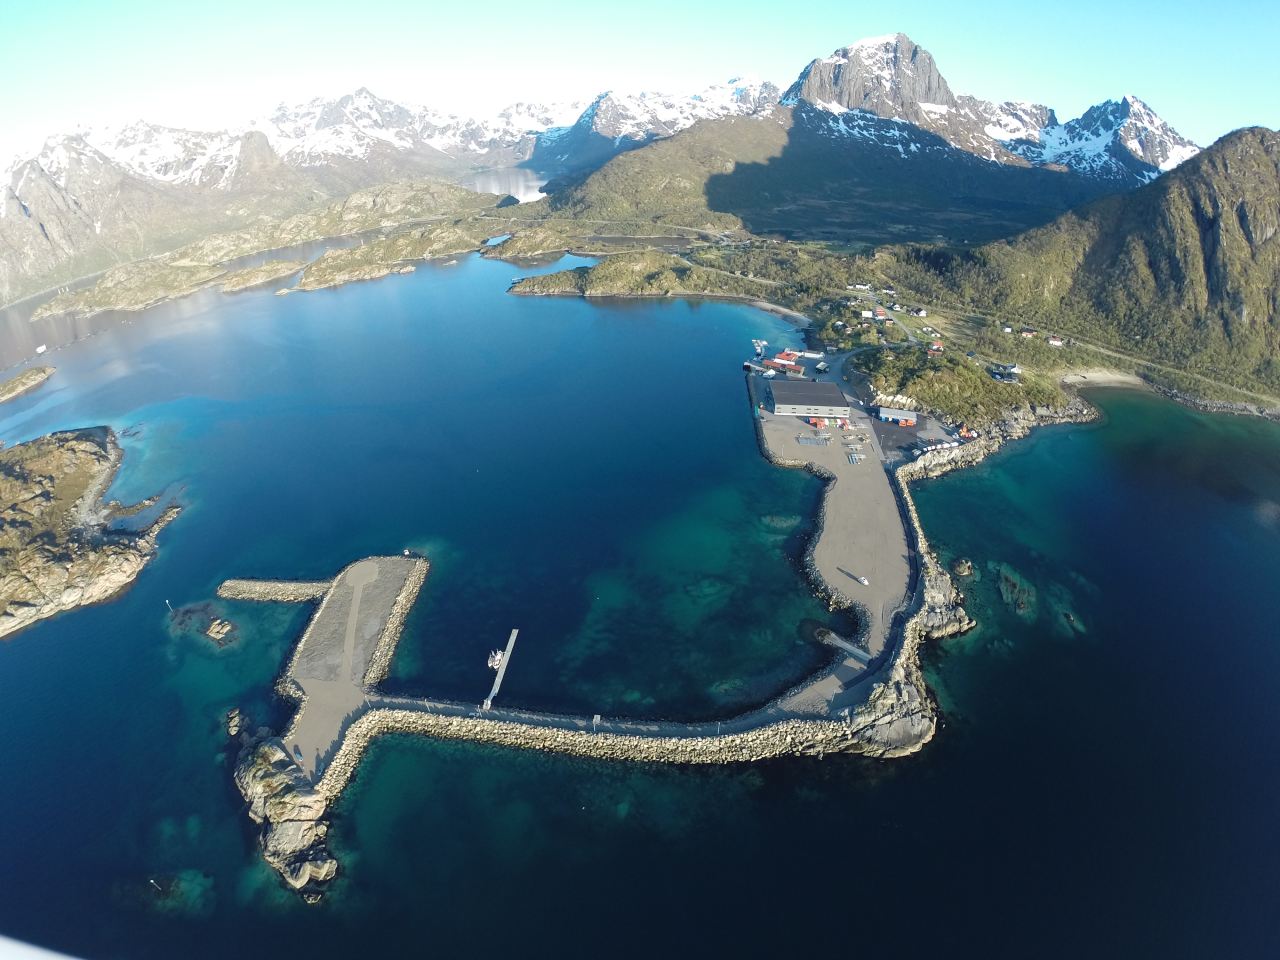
{"x":805,"y":398}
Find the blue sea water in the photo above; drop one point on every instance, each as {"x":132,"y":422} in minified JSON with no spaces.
{"x":1104,"y":783}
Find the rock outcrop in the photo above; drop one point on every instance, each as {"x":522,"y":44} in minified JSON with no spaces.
{"x":1016,"y":423}
{"x":56,"y":551}
{"x":291,"y":813}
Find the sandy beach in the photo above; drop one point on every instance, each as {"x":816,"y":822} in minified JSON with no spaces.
{"x":1101,"y":377}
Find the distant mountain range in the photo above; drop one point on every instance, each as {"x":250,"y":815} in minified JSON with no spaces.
{"x":102,"y":196}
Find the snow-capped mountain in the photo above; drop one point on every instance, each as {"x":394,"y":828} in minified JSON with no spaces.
{"x":106,"y":194}
{"x":614,"y":122}
{"x":102,"y":195}
{"x":357,"y":128}
{"x":170,"y":155}
{"x":73,"y":204}
{"x":641,"y":115}
{"x":896,"y":80}
{"x":1113,"y":139}
{"x":357,"y":125}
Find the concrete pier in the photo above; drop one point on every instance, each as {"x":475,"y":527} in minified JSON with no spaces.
{"x":502,"y":670}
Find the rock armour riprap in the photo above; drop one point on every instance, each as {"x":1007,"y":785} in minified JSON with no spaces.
{"x":291,"y":812}
{"x":274,"y":591}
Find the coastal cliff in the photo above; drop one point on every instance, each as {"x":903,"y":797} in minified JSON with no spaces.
{"x":56,"y":551}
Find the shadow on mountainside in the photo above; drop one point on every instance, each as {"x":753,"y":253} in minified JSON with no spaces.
{"x":864,"y":181}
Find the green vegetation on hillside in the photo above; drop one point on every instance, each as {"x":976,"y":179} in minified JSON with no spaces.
{"x":954,"y":386}
{"x":1184,"y":271}
{"x":666,"y":181}
{"x":385,"y":255}
{"x":648,"y":274}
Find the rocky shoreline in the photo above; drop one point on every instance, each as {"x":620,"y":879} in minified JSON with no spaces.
{"x":1216,"y":406}
{"x":56,"y":552}
{"x":290,"y":812}
{"x":1016,"y":424}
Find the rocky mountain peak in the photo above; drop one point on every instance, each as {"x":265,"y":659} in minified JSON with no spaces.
{"x":892,"y":77}
{"x":1117,"y":138}
{"x":895,"y":79}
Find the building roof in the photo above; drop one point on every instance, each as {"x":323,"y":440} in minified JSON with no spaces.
{"x":892,"y":414}
{"x":808,"y":393}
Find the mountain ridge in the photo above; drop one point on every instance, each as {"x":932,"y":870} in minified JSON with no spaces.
{"x":157,"y":187}
{"x":1187,"y":267}
{"x":896,"y":79}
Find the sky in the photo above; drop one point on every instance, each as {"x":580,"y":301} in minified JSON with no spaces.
{"x":67,"y":64}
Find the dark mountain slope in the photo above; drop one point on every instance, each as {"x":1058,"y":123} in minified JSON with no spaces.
{"x":792,"y":174}
{"x":1185,"y":269}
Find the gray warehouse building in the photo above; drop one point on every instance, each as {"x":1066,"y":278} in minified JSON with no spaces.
{"x":804,"y":398}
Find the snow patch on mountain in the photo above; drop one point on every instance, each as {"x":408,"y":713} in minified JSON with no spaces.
{"x":893,"y":78}
{"x":170,"y":155}
{"x":647,"y":115}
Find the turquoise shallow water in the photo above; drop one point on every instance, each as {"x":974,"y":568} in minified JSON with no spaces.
{"x":1106,"y":787}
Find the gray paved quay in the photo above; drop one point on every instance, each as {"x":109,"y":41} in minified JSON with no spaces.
{"x":337,"y":662}
{"x":862,"y":535}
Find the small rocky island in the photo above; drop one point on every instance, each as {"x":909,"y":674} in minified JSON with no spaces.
{"x":24,"y":382}
{"x":57,"y":548}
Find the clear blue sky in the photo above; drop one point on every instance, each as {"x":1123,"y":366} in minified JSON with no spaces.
{"x":1207,"y":68}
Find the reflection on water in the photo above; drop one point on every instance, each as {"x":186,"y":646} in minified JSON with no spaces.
{"x":20,"y":336}
{"x":524,"y":185}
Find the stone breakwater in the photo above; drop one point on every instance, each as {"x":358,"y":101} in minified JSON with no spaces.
{"x":380,"y":662}
{"x":274,"y":591}
{"x":331,"y":675}
{"x":939,"y":614}
{"x":872,"y":731}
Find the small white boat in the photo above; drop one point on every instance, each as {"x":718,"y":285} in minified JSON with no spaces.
{"x":42,"y":348}
{"x":495,"y":660}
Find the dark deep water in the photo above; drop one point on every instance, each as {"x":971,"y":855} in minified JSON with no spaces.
{"x":1108,"y":787}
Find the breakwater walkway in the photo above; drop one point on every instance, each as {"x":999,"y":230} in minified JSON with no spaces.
{"x":347,"y":647}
